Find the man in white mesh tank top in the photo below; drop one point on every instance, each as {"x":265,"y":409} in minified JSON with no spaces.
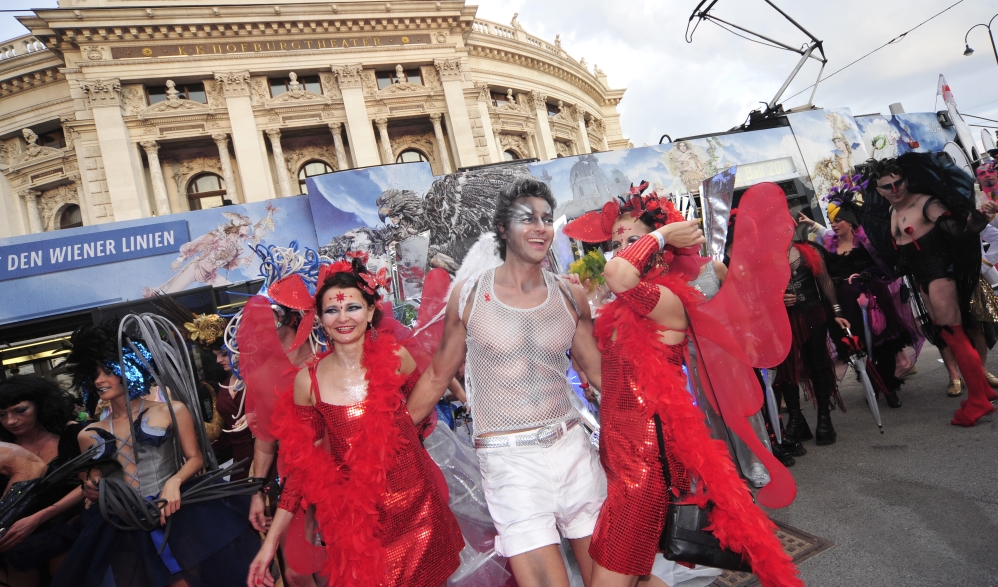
{"x":515,"y":325}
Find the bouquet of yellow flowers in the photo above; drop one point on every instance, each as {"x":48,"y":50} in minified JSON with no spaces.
{"x":590,"y":267}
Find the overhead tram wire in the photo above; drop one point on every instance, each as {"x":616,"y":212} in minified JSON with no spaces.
{"x":896,"y":39}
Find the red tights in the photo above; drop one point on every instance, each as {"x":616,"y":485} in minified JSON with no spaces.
{"x":979,"y":393}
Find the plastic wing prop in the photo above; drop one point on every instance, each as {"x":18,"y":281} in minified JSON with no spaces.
{"x":263,"y":364}
{"x":745,"y":325}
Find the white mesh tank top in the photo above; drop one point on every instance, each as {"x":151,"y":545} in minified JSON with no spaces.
{"x":517,"y":362}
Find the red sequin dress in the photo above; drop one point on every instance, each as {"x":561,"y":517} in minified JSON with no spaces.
{"x":420,"y":535}
{"x":629,"y":526}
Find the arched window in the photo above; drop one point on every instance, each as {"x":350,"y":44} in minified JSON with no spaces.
{"x":509,"y":156}
{"x":70,"y":217}
{"x":412,"y":156}
{"x":311,"y":169}
{"x":206,"y":191}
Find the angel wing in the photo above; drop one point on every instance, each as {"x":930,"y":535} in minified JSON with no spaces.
{"x":745,"y":325}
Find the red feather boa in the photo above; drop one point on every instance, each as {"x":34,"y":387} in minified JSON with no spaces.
{"x":735,"y":520}
{"x":346,"y":499}
{"x":812,"y":258}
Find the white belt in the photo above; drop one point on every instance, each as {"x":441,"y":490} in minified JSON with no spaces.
{"x":543,"y":437}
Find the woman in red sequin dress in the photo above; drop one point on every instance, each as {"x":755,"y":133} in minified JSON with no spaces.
{"x":379,"y":510}
{"x":642,"y":336}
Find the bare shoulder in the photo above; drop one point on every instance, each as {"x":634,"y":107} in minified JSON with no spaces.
{"x":408,"y":363}
{"x":579,"y":296}
{"x":303,"y":386}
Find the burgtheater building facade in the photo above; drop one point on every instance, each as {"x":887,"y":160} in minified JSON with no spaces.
{"x":114,"y":110}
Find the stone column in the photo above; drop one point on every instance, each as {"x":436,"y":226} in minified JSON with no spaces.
{"x":158,"y":183}
{"x":282,"y":167}
{"x":81,"y":197}
{"x":545,"y":144}
{"x":387,"y":157}
{"x":250,"y":151}
{"x":123,"y":171}
{"x":341,"y":155}
{"x":363,"y":145}
{"x":34,"y":216}
{"x":583,"y":133}
{"x":491,"y":136}
{"x":222,"y":142}
{"x":532,"y":150}
{"x":458,"y":121}
{"x":438,"y":132}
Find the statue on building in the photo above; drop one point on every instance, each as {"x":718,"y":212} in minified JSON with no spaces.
{"x":31,"y":138}
{"x":294,"y":87}
{"x":582,"y":62}
{"x":400,"y":76}
{"x":515,"y":23}
{"x":510,"y":98}
{"x":172,"y":95}
{"x":597,"y":70}
{"x":557,"y":42}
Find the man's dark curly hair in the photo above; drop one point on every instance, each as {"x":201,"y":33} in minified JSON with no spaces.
{"x":524,"y":187}
{"x":53,"y":406}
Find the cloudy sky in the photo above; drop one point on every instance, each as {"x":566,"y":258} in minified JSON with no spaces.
{"x":711,"y":84}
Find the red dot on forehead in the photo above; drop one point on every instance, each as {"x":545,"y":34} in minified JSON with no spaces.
{"x":340,"y":297}
{"x":622,"y":230}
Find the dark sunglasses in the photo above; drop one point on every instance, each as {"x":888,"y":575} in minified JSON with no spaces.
{"x":891,"y":186}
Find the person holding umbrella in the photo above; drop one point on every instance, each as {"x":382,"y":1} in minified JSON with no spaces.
{"x":862,"y":283}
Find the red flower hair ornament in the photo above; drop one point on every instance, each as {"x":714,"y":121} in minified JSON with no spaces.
{"x":596,"y":227}
{"x":367,"y":281}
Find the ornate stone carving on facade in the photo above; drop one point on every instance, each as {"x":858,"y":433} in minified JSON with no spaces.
{"x":52,"y":202}
{"x":484,"y":94}
{"x":515,"y":22}
{"x":133,"y":100}
{"x":349,"y":76}
{"x":296,"y":95}
{"x":260,"y":93}
{"x":423,"y":142}
{"x":234,"y":83}
{"x":301,"y":152}
{"x":567,"y":114}
{"x":103,"y":92}
{"x":174,"y":105}
{"x":449,"y":69}
{"x":195,"y":164}
{"x":563,"y":148}
{"x":538,"y":100}
{"x":596,"y":128}
{"x":329,"y":86}
{"x":32,"y":153}
{"x":213,"y":90}
{"x":370,"y":83}
{"x":5,"y":152}
{"x":431,"y":78}
{"x":93,"y":53}
{"x":515,"y":143}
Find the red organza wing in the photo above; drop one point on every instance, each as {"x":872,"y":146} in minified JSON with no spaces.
{"x":263,"y":365}
{"x":426,"y":333}
{"x":745,"y":325}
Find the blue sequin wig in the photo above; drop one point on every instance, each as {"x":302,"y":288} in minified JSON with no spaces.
{"x":94,"y":346}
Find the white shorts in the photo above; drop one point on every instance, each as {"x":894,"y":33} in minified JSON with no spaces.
{"x":535,"y":492}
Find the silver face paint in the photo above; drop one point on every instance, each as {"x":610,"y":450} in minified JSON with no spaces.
{"x":524,"y":215}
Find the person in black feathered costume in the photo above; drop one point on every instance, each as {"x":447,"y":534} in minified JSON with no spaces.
{"x":935,"y":231}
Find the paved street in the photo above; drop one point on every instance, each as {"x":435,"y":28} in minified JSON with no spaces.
{"x":916,"y":506}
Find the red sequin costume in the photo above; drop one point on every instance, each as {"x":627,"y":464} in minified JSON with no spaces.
{"x":378,"y":507}
{"x":643,"y":376}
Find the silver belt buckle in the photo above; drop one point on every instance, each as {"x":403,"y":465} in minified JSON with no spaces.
{"x":548,"y":435}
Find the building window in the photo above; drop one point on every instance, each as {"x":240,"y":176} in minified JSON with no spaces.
{"x":309,"y":83}
{"x":55,"y":139}
{"x":552,"y":110}
{"x":311,"y":169}
{"x":412,"y":156}
{"x":387,"y":78}
{"x":509,"y":156}
{"x":499,"y":99}
{"x":70,"y":217}
{"x":206,"y":191}
{"x":192,"y":92}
